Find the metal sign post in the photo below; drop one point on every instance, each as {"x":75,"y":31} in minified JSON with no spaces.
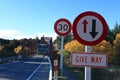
{"x":89,"y":28}
{"x":88,"y":69}
{"x":55,"y":69}
{"x":62,"y":27}
{"x":61,"y":55}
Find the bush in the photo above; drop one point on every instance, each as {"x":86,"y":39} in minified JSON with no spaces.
{"x":66,"y":54}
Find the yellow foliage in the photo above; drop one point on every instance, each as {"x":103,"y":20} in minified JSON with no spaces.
{"x":117,"y":37}
{"x":58,"y":52}
{"x":26,"y":48}
{"x":117,"y":44}
{"x":1,"y":47}
{"x":18,"y":49}
{"x":117,"y":41}
{"x":105,"y":47}
{"x":101,"y":47}
{"x":74,"y":46}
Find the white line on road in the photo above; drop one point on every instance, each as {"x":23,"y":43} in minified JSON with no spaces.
{"x":50,"y":73}
{"x":34,"y":72}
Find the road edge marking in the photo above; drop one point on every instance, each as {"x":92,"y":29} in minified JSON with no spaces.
{"x":34,"y":72}
{"x":50,"y":73}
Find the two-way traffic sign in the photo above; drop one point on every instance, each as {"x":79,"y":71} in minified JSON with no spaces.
{"x":89,"y":28}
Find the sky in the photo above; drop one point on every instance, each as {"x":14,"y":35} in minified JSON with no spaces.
{"x":35,"y":18}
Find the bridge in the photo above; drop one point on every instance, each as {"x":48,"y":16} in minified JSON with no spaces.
{"x":33,"y":68}
{"x":27,"y":64}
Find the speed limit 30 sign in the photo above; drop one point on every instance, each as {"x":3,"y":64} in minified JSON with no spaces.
{"x":62,"y":27}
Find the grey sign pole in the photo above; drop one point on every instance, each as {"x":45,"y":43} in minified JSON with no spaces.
{"x":61,"y":55}
{"x":88,"y":69}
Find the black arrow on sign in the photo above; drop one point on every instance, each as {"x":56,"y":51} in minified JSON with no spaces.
{"x":93,"y":33}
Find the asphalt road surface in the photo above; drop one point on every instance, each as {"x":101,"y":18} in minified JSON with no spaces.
{"x":33,"y":68}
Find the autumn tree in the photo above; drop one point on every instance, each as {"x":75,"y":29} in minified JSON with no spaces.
{"x":116,"y":28}
{"x":74,"y":46}
{"x":18,"y":49}
{"x":112,"y":33}
{"x":1,"y":47}
{"x":103,"y":47}
{"x":110,"y":36}
{"x":117,"y":48}
{"x":107,"y":48}
{"x":67,"y":38}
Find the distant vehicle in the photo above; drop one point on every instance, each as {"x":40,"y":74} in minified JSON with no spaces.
{"x":43,"y":49}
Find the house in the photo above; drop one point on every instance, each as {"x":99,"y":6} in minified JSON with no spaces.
{"x":47,"y":40}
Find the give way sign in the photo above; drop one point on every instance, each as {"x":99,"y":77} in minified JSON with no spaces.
{"x":89,"y":28}
{"x":89,"y":59}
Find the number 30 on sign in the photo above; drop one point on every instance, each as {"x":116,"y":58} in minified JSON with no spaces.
{"x":62,"y":27}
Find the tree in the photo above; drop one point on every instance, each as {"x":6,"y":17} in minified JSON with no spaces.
{"x":1,"y":47}
{"x":74,"y":46}
{"x":4,"y":41}
{"x":57,"y":42}
{"x":116,"y":28}
{"x":67,"y":38}
{"x":117,"y":48}
{"x":18,"y":49}
{"x":107,"y":48}
{"x":110,"y":36}
{"x":103,"y":47}
{"x":112,"y":33}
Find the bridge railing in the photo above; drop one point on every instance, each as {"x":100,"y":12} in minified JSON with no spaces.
{"x":50,"y":73}
{"x":8,"y":59}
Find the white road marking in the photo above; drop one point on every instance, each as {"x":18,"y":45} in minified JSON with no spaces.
{"x":34,"y":72}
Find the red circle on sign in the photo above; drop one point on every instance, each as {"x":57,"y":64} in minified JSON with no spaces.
{"x":94,"y":42}
{"x":67,"y":22}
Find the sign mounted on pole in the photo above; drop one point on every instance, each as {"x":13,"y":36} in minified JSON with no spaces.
{"x":62,"y":27}
{"x":55,"y":69}
{"x":89,"y":28}
{"x":89,"y":60}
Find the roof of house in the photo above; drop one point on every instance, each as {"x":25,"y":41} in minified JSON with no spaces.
{"x":45,"y":40}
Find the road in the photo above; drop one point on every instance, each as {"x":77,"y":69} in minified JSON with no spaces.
{"x":33,"y":68}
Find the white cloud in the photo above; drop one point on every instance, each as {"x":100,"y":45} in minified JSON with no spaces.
{"x":9,"y":34}
{"x":14,"y":34}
